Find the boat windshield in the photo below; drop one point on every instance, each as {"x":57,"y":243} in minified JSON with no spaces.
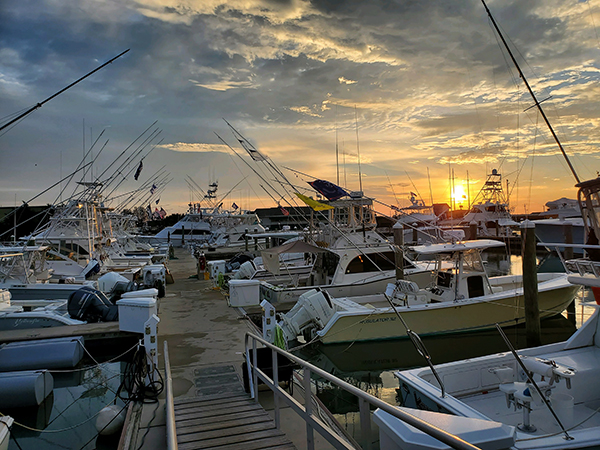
{"x":472,"y":261}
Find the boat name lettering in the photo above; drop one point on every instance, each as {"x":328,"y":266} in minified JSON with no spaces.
{"x":378,"y":319}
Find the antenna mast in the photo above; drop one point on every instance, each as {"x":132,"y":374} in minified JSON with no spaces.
{"x":539,"y":106}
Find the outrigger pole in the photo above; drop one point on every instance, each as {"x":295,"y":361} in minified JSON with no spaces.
{"x":539,"y":106}
{"x":39,"y":105}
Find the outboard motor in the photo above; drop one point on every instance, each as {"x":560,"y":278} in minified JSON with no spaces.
{"x":120,"y":288}
{"x":92,"y":268}
{"x":91,"y":305}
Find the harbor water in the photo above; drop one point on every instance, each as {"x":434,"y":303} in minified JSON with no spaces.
{"x":66,"y":419}
{"x":370,"y":366}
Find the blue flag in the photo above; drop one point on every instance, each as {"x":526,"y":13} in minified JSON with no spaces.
{"x":138,"y":171}
{"x":329,"y":190}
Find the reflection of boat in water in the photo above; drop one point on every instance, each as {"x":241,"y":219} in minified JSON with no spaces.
{"x":344,"y":359}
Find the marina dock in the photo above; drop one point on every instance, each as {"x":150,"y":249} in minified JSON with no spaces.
{"x":206,"y":342}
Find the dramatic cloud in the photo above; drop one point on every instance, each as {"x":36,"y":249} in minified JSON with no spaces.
{"x":419,"y":87}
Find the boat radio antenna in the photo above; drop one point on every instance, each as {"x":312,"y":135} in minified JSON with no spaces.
{"x":537,"y":103}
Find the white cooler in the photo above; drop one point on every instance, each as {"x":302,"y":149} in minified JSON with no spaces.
{"x":134,"y":312}
{"x":244,"y":293}
{"x":216,"y":267}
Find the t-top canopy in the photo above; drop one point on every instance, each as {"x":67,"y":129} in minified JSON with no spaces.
{"x":271,"y":256}
{"x":463,"y":246}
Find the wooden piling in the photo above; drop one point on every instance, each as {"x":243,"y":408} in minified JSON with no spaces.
{"x":530,"y":285}
{"x":398,"y":251}
{"x":568,"y":254}
{"x":473,"y":230}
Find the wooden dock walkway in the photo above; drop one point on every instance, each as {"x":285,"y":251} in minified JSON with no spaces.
{"x":223,"y":416}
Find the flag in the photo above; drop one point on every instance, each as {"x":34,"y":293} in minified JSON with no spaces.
{"x":157,"y":200}
{"x":328,"y":189}
{"x":139,"y":170}
{"x":156,"y":214}
{"x":152,"y":189}
{"x":234,"y":206}
{"x":412,"y":194}
{"x":162,"y":213}
{"x":254,"y":154}
{"x":284,"y":211}
{"x":317,"y":206}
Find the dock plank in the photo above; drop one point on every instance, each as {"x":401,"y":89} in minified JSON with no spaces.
{"x":225,"y":418}
{"x":215,"y":419}
{"x":244,"y":439}
{"x":201,"y":413}
{"x":190,"y":428}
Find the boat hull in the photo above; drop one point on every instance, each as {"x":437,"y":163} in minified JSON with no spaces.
{"x":444,"y":318}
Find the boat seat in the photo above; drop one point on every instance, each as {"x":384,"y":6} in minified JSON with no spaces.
{"x":505,"y":374}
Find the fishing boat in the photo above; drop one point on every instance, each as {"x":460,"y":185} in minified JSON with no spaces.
{"x":491,"y":213}
{"x":462,"y":299}
{"x":347,"y":258}
{"x":14,"y":317}
{"x":23,"y":273}
{"x":547,"y":397}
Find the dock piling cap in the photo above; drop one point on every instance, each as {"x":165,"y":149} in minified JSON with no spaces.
{"x":527,"y":224}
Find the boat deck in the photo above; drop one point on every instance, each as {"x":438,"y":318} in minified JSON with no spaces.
{"x":493,"y":405}
{"x":223,"y":415}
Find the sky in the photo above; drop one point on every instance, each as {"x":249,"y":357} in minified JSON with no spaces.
{"x":420,"y":89}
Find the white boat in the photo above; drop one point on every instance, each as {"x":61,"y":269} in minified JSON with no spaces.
{"x":6,"y":423}
{"x":462,"y":299}
{"x":50,"y":314}
{"x":420,"y":225}
{"x":495,"y":389}
{"x":24,"y":275}
{"x":193,"y":227}
{"x":346,"y":271}
{"x":491,"y":214}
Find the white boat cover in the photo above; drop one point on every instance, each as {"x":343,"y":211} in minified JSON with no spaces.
{"x":271,"y":256}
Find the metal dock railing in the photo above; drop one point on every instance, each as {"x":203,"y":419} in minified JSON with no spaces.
{"x":313,"y":422}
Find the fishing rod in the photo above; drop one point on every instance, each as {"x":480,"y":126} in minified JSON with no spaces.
{"x":194,"y":190}
{"x":125,"y":150}
{"x":537,"y":103}
{"x":79,"y":165}
{"x":148,"y":196}
{"x":124,"y":177}
{"x":252,"y":168}
{"x":132,"y":196}
{"x":136,"y":152}
{"x":269,"y":164}
{"x":39,"y":105}
{"x":152,"y":179}
{"x":118,"y":171}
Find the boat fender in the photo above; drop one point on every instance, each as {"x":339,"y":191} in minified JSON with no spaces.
{"x":110,"y":420}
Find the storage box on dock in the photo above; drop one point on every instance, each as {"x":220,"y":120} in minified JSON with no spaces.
{"x":244,"y":293}
{"x":134,"y":312}
{"x":215,"y":267}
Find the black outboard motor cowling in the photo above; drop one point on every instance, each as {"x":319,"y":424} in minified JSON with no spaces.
{"x":91,"y":305}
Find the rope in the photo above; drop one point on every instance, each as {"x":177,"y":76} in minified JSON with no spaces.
{"x":116,"y":358}
{"x":62,"y":429}
{"x":560,"y":432}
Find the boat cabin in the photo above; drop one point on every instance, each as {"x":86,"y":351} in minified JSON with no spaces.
{"x":460,"y":272}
